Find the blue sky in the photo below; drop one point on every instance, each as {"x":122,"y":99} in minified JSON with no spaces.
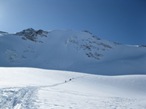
{"x":122,"y":21}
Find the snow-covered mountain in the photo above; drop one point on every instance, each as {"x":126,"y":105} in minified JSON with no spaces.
{"x":70,"y":50}
{"x":22,"y":87}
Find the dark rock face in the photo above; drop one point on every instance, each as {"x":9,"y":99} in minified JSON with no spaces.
{"x":142,"y":45}
{"x":32,"y":34}
{"x":2,"y":32}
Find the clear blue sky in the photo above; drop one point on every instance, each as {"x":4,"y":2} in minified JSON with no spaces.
{"x":122,"y":21}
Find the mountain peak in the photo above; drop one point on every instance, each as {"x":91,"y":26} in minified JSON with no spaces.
{"x":32,"y":34}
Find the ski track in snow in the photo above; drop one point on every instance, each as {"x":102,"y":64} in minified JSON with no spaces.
{"x":22,"y":97}
{"x":26,"y":98}
{"x":17,"y":98}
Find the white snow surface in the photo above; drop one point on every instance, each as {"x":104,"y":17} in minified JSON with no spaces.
{"x":31,"y":88}
{"x":72,"y":51}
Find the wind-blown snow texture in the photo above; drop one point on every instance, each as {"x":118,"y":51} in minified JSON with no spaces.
{"x":29,"y":88}
{"x":70,"y":50}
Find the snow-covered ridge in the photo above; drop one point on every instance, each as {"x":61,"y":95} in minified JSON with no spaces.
{"x":29,"y":88}
{"x":72,"y":51}
{"x":3,"y":33}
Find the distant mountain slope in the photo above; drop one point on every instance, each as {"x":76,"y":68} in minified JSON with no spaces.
{"x":3,"y":33}
{"x":70,"y":50}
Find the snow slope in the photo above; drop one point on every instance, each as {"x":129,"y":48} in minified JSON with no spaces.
{"x":30,"y":88}
{"x":72,"y":51}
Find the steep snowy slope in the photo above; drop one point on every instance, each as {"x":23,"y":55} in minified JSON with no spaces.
{"x":29,"y":88}
{"x":72,"y":51}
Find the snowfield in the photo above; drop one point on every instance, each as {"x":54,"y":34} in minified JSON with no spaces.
{"x":31,"y":88}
